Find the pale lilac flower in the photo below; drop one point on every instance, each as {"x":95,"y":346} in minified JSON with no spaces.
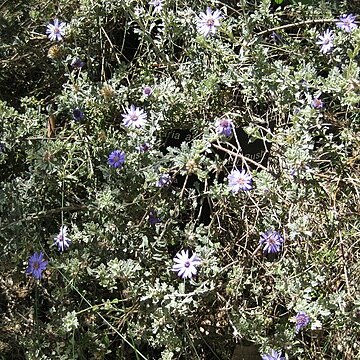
{"x":184,"y":265}
{"x":138,"y":10}
{"x":326,"y":41}
{"x":56,"y":31}
{"x":273,"y":355}
{"x":163,"y":180}
{"x":37,"y":265}
{"x":135,"y":117}
{"x":317,"y":103}
{"x":61,"y":240}
{"x":224,"y":127}
{"x":347,"y":23}
{"x":302,"y":319}
{"x":272,"y":241}
{"x":239,"y":180}
{"x":157,"y":5}
{"x":208,"y":22}
{"x":147,"y":91}
{"x":116,"y":159}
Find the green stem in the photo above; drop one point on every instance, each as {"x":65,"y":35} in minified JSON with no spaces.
{"x":36,"y":327}
{"x":287,"y":26}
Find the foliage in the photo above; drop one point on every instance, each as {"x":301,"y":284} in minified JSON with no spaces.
{"x":112,"y":294}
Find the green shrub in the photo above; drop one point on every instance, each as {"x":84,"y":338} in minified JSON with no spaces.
{"x":275,"y":239}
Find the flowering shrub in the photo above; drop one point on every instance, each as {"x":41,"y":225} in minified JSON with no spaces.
{"x":201,"y":160}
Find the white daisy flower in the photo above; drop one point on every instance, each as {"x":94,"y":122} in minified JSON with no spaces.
{"x":135,"y":117}
{"x":61,"y":240}
{"x":208,"y":22}
{"x":56,"y":31}
{"x":239,"y":180}
{"x":326,"y":41}
{"x":185,"y":266}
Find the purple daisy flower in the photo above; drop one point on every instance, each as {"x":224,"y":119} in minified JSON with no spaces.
{"x":224,"y":127}
{"x":272,"y":240}
{"x":317,"y":103}
{"x":239,"y":180}
{"x":147,"y":91}
{"x":77,"y":63}
{"x":302,"y":319}
{"x":347,"y":23}
{"x":153,"y":219}
{"x":135,"y":117}
{"x":273,"y":355}
{"x":77,"y":114}
{"x":56,"y":30}
{"x":116,"y":159}
{"x":184,"y":265}
{"x":326,"y":41}
{"x":208,"y":22}
{"x":61,"y":240}
{"x":37,"y":265}
{"x":164,"y":180}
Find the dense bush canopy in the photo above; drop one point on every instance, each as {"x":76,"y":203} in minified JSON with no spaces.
{"x":177,"y":177}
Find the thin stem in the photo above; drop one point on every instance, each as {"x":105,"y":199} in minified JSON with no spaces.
{"x":300,"y":23}
{"x":47,"y":213}
{"x":73,"y":343}
{"x":242,"y":157}
{"x":36,"y":327}
{"x":62,"y":200}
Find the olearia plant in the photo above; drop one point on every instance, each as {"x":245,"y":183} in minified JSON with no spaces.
{"x":179,"y":179}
